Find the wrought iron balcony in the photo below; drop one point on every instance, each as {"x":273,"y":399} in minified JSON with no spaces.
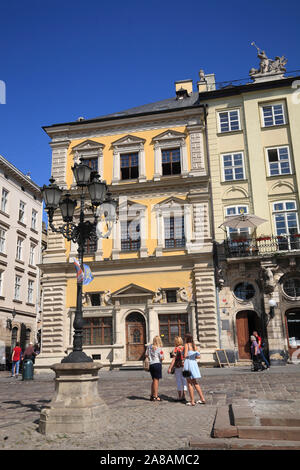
{"x":261,"y":246}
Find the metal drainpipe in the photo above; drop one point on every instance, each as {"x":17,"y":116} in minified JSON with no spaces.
{"x":215,"y":250}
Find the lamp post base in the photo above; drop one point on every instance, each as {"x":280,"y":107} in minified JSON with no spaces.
{"x":76,"y":357}
{"x":76,"y":406}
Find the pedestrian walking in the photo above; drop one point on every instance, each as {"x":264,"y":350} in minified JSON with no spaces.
{"x":155,"y":355}
{"x":15,"y":357}
{"x":177,"y":366}
{"x":191,"y":370}
{"x":256,"y":359}
{"x":261,"y":350}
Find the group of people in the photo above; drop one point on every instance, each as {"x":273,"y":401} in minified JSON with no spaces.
{"x":17,"y":356}
{"x":183,"y":365}
{"x":257,"y":353}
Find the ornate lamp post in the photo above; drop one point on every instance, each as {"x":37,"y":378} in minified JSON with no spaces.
{"x":86,"y":179}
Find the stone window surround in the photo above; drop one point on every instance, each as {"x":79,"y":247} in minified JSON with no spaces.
{"x":268,"y":104}
{"x":168,"y":140}
{"x":235,"y":152}
{"x":176,"y":208}
{"x":124,"y":214}
{"x":268,"y":163}
{"x":87,"y":150}
{"x":228,"y":110}
{"x":128,"y":144}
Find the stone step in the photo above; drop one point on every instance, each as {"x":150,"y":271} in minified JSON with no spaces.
{"x":137,"y":365}
{"x":279,"y":433}
{"x":243,"y":444}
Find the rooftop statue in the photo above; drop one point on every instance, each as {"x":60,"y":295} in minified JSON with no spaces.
{"x":268,"y":67}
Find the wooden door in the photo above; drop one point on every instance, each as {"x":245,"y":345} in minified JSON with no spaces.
{"x":135,"y":337}
{"x":243,"y":337}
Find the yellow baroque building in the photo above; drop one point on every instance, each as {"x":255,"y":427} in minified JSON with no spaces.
{"x":178,"y":168}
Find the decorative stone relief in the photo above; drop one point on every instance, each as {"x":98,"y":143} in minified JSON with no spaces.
{"x":268,"y":67}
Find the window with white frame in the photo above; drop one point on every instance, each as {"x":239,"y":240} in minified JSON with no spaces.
{"x":236,"y":233}
{"x":21,"y":211}
{"x":18,"y":281}
{"x":2,"y":240}
{"x":30,"y":291}
{"x":285,"y":217}
{"x":229,"y":120}
{"x":31,"y":254}
{"x":233,"y":166}
{"x":273,"y":115}
{"x":278,"y":160}
{"x":34,"y":219}
{"x":19,"y":248}
{"x":4,"y":199}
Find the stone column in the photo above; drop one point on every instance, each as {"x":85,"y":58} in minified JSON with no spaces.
{"x":196,"y":133}
{"x":157,"y":162}
{"x":116,"y":168}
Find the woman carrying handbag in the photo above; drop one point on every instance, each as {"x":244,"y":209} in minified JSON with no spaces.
{"x":191,"y":370}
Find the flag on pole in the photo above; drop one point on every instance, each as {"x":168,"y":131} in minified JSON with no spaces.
{"x":88,"y":277}
{"x":79,"y":272}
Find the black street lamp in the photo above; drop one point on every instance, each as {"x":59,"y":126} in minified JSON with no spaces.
{"x":79,"y":233}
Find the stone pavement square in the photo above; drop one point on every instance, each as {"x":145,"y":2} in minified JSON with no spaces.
{"x":135,"y":422}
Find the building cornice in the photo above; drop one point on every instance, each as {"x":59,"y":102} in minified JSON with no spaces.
{"x":24,"y":180}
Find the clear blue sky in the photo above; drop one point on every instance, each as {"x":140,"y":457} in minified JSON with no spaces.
{"x":65,"y":59}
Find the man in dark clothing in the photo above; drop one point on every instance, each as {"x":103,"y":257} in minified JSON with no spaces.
{"x":29,"y":352}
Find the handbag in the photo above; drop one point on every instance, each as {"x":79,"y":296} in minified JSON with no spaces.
{"x":186,"y":373}
{"x":146,"y":364}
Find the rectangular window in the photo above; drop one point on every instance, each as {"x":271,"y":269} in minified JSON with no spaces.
{"x":237,"y":233}
{"x":171,"y":295}
{"x":172,"y":325}
{"x":2,"y":240}
{"x":97,"y":331}
{"x":4,"y":199}
{"x":130,"y":235}
{"x":18,"y":280}
{"x":90,"y":246}
{"x":129,"y":166}
{"x":92,"y":163}
{"x":273,"y":115}
{"x":278,"y":161}
{"x":286,"y":218}
{"x":233,"y":167}
{"x":229,"y":121}
{"x":174,"y":232}
{"x":34,"y":219}
{"x":31,"y":254}
{"x":21,"y":211}
{"x":19,"y":248}
{"x":171,"y":161}
{"x":30,"y":292}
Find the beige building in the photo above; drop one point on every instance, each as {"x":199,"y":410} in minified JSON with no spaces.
{"x":20,"y":250}
{"x":178,"y":167}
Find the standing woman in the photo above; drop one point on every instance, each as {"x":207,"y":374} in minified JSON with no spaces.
{"x":177,"y":364}
{"x":190,"y":364}
{"x":156,"y":355}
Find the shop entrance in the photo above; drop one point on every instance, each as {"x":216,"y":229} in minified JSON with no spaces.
{"x":247,"y":321}
{"x":292,"y":319}
{"x":135,"y":337}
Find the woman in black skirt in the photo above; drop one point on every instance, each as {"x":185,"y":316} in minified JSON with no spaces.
{"x":156,"y":356}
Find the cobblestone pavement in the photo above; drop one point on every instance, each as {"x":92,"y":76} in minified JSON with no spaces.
{"x":135,"y":422}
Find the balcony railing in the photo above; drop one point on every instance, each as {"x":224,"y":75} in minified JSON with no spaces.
{"x":260,"y":246}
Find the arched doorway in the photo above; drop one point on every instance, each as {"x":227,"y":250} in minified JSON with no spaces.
{"x":135,"y":337}
{"x":247,"y":321}
{"x":292,"y":320}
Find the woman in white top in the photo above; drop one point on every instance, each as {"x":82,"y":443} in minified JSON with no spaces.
{"x":156,"y":355}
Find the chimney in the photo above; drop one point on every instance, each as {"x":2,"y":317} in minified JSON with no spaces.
{"x":183,"y":88}
{"x":207,"y":82}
